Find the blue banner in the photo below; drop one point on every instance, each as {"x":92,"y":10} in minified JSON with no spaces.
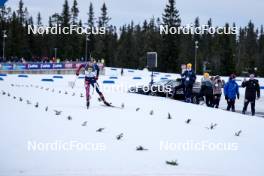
{"x":7,"y":67}
{"x":58,"y":66}
{"x":33,"y":66}
{"x":46,"y":66}
{"x":20,"y":67}
{"x":40,"y":66}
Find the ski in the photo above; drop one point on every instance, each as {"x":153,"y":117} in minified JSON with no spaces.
{"x":107,"y":104}
{"x":112,"y":106}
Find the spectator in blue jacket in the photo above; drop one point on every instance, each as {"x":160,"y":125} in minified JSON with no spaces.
{"x":189,"y":78}
{"x":231,"y":91}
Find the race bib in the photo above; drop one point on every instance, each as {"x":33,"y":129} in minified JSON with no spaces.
{"x":89,"y":74}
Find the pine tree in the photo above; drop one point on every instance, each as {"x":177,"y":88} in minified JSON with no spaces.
{"x":127,"y":45}
{"x":90,"y":23}
{"x":104,"y":19}
{"x":75,"y":12}
{"x":171,"y":15}
{"x":91,"y":17}
{"x":76,"y":40}
{"x":227,"y":54}
{"x":197,"y":38}
{"x":171,"y":42}
{"x":65,"y":46}
{"x":31,"y":38}
{"x":66,"y":16}
{"x":21,"y":12}
{"x":102,"y":42}
{"x":39,"y":20}
{"x":39,"y":39}
{"x":251,"y":47}
{"x":260,"y":62}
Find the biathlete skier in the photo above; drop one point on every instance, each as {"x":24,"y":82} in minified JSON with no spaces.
{"x":91,"y":76}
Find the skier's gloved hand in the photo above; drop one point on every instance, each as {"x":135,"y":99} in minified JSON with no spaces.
{"x":238,"y":96}
{"x":77,"y":74}
{"x":226,"y":97}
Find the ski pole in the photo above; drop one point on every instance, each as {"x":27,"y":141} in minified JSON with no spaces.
{"x":73,"y":85}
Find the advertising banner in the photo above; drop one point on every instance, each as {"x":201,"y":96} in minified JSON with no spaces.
{"x":58,"y":66}
{"x":41,"y":66}
{"x":33,"y":66}
{"x":7,"y":67}
{"x":70,"y":65}
{"x":20,"y":67}
{"x":46,"y":66}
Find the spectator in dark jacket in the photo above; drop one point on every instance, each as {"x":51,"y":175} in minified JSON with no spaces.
{"x":252,"y":92}
{"x":182,"y":82}
{"x":207,"y":90}
{"x":189,"y":78}
{"x":231,"y":91}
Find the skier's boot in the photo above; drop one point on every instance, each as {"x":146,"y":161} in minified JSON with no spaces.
{"x":103,"y":99}
{"x":106,"y":103}
{"x":88,"y":103}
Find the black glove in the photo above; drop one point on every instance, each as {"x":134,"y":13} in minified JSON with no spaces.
{"x":77,"y":74}
{"x":226,"y":97}
{"x":237,"y":96}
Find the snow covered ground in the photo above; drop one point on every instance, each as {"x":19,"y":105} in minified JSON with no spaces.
{"x":22,"y":123}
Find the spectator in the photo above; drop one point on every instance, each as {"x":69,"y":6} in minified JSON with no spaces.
{"x":207,"y":90}
{"x":189,"y":78}
{"x":217,"y":90}
{"x":252,"y":92}
{"x":122,"y":71}
{"x":231,"y":91}
{"x":182,"y":83}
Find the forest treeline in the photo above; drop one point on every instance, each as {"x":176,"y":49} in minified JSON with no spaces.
{"x":127,"y":45}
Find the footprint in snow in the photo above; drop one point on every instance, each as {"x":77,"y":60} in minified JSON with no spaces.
{"x":84,"y":123}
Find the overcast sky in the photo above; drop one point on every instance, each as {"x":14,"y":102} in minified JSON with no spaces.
{"x":123,"y":11}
